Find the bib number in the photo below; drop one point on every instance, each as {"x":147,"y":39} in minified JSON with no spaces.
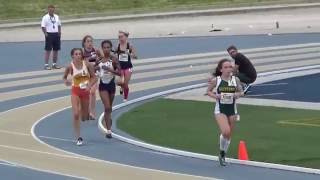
{"x":106,"y":78}
{"x":83,"y":85}
{"x":123,"y":57}
{"x":227,"y":98}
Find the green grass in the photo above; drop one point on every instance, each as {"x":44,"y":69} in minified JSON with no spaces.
{"x":24,"y":9}
{"x":189,"y":125}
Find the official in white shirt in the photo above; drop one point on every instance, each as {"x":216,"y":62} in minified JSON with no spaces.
{"x":51,"y":28}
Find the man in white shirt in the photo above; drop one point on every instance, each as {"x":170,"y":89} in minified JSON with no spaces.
{"x":51,"y":28}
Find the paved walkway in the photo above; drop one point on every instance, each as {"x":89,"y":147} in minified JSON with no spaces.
{"x":293,"y":20}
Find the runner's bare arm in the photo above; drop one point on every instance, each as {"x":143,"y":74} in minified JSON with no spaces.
{"x":115,"y":62}
{"x":133,"y":53}
{"x":67,"y":71}
{"x":93,"y":78}
{"x":211,"y":86}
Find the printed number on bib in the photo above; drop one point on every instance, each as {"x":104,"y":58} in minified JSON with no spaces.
{"x":123,"y":57}
{"x":106,"y":78}
{"x":83,"y":85}
{"x":226,"y":98}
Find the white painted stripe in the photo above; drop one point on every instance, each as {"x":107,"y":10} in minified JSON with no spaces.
{"x":14,"y":133}
{"x":207,"y":55}
{"x":269,"y":94}
{"x":7,"y":164}
{"x":271,"y":84}
{"x":57,"y":139}
{"x":41,"y":170}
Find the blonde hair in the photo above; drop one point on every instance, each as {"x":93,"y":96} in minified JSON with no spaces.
{"x":126,"y":33}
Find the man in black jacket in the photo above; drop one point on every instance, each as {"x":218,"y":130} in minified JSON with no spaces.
{"x":243,"y":69}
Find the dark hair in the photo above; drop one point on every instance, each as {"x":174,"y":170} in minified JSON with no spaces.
{"x":51,"y":6}
{"x":219,"y":67}
{"x":76,"y":49}
{"x":232,"y":47}
{"x":106,"y":42}
{"x":85,"y":38}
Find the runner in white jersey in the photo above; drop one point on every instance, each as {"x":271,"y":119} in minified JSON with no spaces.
{"x":108,"y":68}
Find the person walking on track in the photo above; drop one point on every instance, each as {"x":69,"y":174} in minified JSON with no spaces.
{"x":51,"y":28}
{"x":83,"y":78}
{"x":225,"y":89}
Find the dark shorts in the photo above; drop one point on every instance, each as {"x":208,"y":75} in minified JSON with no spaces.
{"x":245,"y":79}
{"x":111,"y":87}
{"x":53,"y":42}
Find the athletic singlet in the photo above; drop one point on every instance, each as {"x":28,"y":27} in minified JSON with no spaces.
{"x":80,"y":77}
{"x":105,"y":76}
{"x":90,"y":55}
{"x":226,"y":89}
{"x":124,"y":57}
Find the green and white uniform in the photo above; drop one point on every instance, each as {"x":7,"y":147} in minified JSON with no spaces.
{"x":227,"y":103}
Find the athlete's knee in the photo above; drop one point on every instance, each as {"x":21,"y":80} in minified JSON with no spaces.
{"x":92,"y":93}
{"x":76,"y":116}
{"x":226,"y":133}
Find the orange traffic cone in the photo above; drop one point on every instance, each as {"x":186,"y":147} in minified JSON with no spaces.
{"x":243,"y":154}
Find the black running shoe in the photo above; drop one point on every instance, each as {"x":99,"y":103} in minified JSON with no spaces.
{"x":121,"y":91}
{"x":109,"y":135}
{"x":222,"y":158}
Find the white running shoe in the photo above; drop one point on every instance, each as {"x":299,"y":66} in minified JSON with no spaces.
{"x":79,"y":141}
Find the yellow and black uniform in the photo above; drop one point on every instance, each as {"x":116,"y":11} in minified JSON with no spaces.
{"x":226,"y":104}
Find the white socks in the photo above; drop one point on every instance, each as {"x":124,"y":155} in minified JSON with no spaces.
{"x":224,"y":143}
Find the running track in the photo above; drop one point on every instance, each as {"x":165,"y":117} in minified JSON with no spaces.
{"x":26,"y":88}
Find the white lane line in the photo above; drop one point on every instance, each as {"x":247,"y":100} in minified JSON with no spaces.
{"x":14,"y":133}
{"x":17,"y":165}
{"x":57,"y":139}
{"x":156,"y":152}
{"x":259,"y":95}
{"x":4,"y":163}
{"x":44,"y":152}
{"x":271,"y":84}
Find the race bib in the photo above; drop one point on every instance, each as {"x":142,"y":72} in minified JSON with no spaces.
{"x":123,"y":57}
{"x":83,"y":85}
{"x":93,"y":55}
{"x":227,"y":98}
{"x":106,"y":78}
